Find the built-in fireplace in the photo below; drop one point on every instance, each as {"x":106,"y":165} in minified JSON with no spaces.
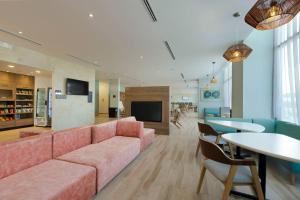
{"x":147,"y":111}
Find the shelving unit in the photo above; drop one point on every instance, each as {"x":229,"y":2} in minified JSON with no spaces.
{"x":16,"y":100}
{"x":24,"y":106}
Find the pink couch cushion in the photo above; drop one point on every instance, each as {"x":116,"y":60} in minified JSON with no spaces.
{"x":108,"y":157}
{"x":71,"y":139}
{"x":103,"y":131}
{"x":130,"y":128}
{"x":51,"y":180}
{"x":24,"y":153}
{"x":148,"y":138}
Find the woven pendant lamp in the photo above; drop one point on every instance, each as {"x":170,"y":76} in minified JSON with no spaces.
{"x":237,"y":53}
{"x":270,"y":14}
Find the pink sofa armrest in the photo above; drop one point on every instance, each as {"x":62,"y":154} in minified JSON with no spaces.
{"x":130,"y":128}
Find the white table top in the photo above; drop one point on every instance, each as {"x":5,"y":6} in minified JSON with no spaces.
{"x":243,"y":126}
{"x":270,"y":144}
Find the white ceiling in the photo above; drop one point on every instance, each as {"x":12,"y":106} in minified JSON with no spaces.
{"x":22,"y":69}
{"x":198,"y":31}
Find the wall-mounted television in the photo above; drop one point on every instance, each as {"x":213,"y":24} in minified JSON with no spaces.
{"x":77,"y":87}
{"x":147,"y":111}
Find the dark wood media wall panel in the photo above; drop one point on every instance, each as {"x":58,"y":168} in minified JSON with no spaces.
{"x":154,"y":94}
{"x":16,"y":100}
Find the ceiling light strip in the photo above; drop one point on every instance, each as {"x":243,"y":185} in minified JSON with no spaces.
{"x":170,"y":50}
{"x":83,"y":60}
{"x":20,"y":37}
{"x":150,"y":10}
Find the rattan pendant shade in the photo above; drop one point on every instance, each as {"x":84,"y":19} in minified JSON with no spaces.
{"x":270,"y":14}
{"x":237,"y":53}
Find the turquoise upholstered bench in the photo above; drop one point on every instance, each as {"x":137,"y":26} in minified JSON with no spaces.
{"x":271,"y":126}
{"x":211,"y":112}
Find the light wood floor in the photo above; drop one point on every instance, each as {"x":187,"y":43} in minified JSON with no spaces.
{"x":169,"y":170}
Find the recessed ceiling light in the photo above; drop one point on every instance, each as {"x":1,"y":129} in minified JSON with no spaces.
{"x":141,"y":57}
{"x":37,"y":71}
{"x":10,"y":66}
{"x":91,"y":15}
{"x":20,"y":32}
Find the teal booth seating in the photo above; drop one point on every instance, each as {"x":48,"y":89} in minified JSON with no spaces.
{"x":271,"y":126}
{"x":211,"y":112}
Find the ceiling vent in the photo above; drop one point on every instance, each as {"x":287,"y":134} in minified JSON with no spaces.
{"x":83,"y":60}
{"x":150,"y":10}
{"x":20,"y":37}
{"x":170,"y":50}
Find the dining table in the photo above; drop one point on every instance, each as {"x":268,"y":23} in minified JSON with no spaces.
{"x":239,"y":127}
{"x":265,"y":144}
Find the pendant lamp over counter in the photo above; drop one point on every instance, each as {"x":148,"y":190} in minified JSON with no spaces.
{"x":237,"y":53}
{"x":270,"y":14}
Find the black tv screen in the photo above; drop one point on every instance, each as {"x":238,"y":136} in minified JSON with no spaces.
{"x":77,"y":87}
{"x":147,"y":111}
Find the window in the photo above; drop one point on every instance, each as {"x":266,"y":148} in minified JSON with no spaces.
{"x":227,"y":85}
{"x":287,"y":72}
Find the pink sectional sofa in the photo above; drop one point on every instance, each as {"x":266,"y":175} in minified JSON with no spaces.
{"x":70,"y":164}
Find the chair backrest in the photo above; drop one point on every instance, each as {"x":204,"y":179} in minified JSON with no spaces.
{"x":214,"y":152}
{"x":207,"y":129}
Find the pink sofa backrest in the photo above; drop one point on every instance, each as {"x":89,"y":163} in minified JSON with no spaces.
{"x":103,"y":131}
{"x":130,"y":128}
{"x":24,"y":153}
{"x":69,"y":140}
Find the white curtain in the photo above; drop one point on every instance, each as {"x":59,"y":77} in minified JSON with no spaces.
{"x":287,"y":72}
{"x":227,"y":85}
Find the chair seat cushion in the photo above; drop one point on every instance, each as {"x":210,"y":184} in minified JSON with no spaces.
{"x":220,"y":171}
{"x":108,"y":157}
{"x":212,"y":139}
{"x":51,"y":180}
{"x":148,"y":138}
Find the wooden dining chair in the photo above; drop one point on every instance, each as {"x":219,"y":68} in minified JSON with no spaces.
{"x":175,"y":120}
{"x":231,"y":172}
{"x":211,"y":135}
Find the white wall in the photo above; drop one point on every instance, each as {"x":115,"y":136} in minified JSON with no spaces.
{"x":258,"y":76}
{"x":74,"y":111}
{"x":178,"y":93}
{"x":114,"y":93}
{"x":67,"y":113}
{"x":210,"y":104}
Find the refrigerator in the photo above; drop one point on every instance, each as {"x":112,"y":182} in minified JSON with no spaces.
{"x":43,"y":109}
